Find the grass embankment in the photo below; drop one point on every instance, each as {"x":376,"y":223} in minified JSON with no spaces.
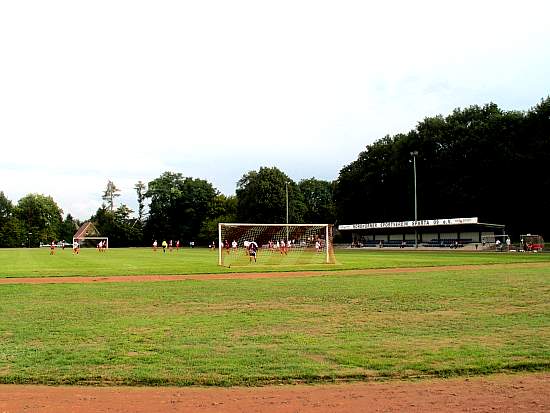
{"x":254,"y":332}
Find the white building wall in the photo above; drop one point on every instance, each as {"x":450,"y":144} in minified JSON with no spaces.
{"x":428,"y":236}
{"x":474,"y":236}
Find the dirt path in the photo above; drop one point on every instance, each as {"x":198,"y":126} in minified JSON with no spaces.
{"x":227,"y":276}
{"x":500,"y":393}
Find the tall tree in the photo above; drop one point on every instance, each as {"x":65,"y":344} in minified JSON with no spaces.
{"x":141,"y":190}
{"x":178,"y":206}
{"x":318,"y":200}
{"x":118,"y":226}
{"x":222,"y":209}
{"x":10,"y":228}
{"x":68,"y":228}
{"x":261,"y":197}
{"x":109,"y":195}
{"x":376,"y":185}
{"x":478,"y":161}
{"x":6,"y":210}
{"x":40,"y":218}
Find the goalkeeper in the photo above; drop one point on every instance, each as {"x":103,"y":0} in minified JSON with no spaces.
{"x":252,"y":249}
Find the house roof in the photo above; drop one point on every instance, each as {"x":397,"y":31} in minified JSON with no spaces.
{"x":87,"y":229}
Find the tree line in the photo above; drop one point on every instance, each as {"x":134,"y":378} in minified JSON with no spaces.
{"x":36,"y":218}
{"x":478,"y":161}
{"x":171,"y":206}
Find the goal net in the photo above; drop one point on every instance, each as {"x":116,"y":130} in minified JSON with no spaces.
{"x":495,"y":242}
{"x":275,"y":244}
{"x":92,"y":242}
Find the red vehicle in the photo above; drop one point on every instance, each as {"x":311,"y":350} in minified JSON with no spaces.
{"x":532,"y":242}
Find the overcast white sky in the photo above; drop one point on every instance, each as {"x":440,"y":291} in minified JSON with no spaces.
{"x":125,"y":90}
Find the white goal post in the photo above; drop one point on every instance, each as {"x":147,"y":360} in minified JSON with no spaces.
{"x":495,"y":242}
{"x":94,"y":241}
{"x":277,"y":244}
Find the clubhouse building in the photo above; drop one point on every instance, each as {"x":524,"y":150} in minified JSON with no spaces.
{"x":447,"y":232}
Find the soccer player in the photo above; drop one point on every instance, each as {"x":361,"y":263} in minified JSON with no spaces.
{"x":234,"y":246}
{"x":76,"y":247}
{"x":283,"y":248}
{"x":252,"y":249}
{"x":155,"y":245}
{"x":177,"y":245}
{"x":52,"y":248}
{"x":226,"y":246}
{"x":164,"y":245}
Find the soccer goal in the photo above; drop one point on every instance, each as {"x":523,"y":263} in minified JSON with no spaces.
{"x":92,"y":242}
{"x":275,"y":244}
{"x":495,"y":242}
{"x":88,"y":236}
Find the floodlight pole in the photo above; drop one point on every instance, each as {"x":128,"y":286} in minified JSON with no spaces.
{"x":414,"y":154}
{"x":220,"y":244}
{"x":286,"y":189}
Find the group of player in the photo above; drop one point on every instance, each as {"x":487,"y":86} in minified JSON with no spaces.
{"x":167,"y":245}
{"x":76,"y":247}
{"x":280,"y":246}
{"x":283,"y":247}
{"x":250,"y":248}
{"x":102,"y":246}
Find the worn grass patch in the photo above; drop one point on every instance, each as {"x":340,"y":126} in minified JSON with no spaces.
{"x":278,"y":330}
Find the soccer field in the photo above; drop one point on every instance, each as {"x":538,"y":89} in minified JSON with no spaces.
{"x":398,"y":324}
{"x":143,"y":261}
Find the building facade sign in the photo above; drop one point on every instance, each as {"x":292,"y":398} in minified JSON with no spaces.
{"x":411,"y":224}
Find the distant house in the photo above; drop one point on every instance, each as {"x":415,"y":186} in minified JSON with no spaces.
{"x":88,"y":232}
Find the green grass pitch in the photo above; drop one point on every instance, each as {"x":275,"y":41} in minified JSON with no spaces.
{"x":143,"y":261}
{"x":465,"y":321}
